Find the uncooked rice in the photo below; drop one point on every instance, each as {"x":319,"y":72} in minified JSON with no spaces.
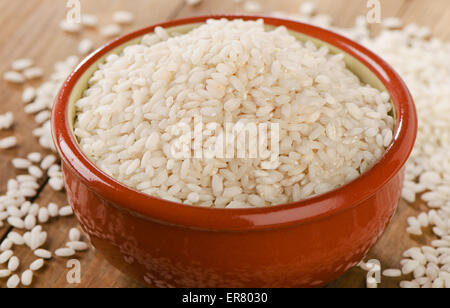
{"x":332,"y":127}
{"x":65,"y":252}
{"x":6,"y":120}
{"x":13,"y":282}
{"x":77,"y":245}
{"x":16,"y":238}
{"x":71,"y":27}
{"x":110,"y":30}
{"x":65,"y":211}
{"x":392,"y":273}
{"x":89,"y":20}
{"x":253,"y":7}
{"x":42,"y":253}
{"x":37,"y":264}
{"x":85,"y":46}
{"x":123,"y":17}
{"x":28,"y":95}
{"x":8,"y":142}
{"x":27,"y":278}
{"x":35,"y":157}
{"x":74,"y":235}
{"x":33,"y":73}
{"x":21,"y":64}
{"x":428,"y":169}
{"x":14,"y":77}
{"x":428,"y":80}
{"x":193,"y":2}
{"x":13,"y":264}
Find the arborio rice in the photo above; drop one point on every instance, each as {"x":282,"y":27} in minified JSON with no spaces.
{"x":428,"y":170}
{"x":331,"y":127}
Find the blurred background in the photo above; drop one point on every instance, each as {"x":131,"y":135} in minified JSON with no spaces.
{"x":32,"y":29}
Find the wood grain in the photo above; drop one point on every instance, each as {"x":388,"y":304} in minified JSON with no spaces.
{"x":30,"y":28}
{"x":95,"y":272}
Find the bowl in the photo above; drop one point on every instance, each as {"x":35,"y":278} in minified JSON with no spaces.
{"x":303,"y":244}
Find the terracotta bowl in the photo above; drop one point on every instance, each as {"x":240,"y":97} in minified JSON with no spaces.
{"x":303,"y":244}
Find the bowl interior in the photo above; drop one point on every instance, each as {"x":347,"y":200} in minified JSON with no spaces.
{"x":367,"y":66}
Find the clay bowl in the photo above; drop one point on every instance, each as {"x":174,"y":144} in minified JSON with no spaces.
{"x":302,"y":244}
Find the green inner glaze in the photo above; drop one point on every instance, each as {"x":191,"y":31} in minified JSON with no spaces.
{"x":359,"y":69}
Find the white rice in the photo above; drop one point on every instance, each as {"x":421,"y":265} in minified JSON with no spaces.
{"x":13,"y":264}
{"x":228,"y":71}
{"x":8,"y":142}
{"x":53,"y":210}
{"x":193,"y":2}
{"x":429,"y":160}
{"x":70,"y":27}
{"x":37,"y":265}
{"x":65,"y":252}
{"x":392,"y":273}
{"x":74,"y":235}
{"x":89,"y":20}
{"x":6,"y":120}
{"x":48,"y":161}
{"x":22,"y":64}
{"x":14,"y":77}
{"x":5,"y":256}
{"x":77,"y":245}
{"x":36,"y":172}
{"x":427,"y":171}
{"x":27,"y":278}
{"x":110,"y":30}
{"x":7,"y":244}
{"x":5,"y":273}
{"x":16,"y":222}
{"x":35,"y":157}
{"x":253,"y":6}
{"x":123,"y":17}
{"x":85,"y":46}
{"x":307,"y":8}
{"x":28,"y":95}
{"x":16,"y":238}
{"x":33,"y":73}
{"x":43,"y":215}
{"x":65,"y":211}
{"x":42,"y":253}
{"x":13,"y":282}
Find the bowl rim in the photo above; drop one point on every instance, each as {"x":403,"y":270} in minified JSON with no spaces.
{"x":285,"y":215}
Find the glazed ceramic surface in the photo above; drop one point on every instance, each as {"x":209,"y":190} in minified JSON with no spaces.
{"x":302,"y":244}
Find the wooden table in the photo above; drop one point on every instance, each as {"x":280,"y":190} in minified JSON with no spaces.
{"x":29,"y":28}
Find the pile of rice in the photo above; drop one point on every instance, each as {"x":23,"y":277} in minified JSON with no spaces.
{"x":427,"y":180}
{"x":332,"y":128}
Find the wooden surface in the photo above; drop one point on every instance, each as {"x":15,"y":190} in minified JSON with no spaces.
{"x":29,"y":28}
